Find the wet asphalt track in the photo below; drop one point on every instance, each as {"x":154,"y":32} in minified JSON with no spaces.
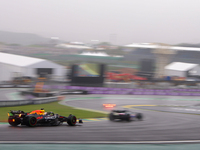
{"x":163,"y":122}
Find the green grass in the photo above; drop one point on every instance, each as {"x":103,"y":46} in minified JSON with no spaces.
{"x":54,"y":107}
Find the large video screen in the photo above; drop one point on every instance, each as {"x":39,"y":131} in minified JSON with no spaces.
{"x":87,"y":70}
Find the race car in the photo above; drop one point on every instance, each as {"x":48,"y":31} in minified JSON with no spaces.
{"x":39,"y":117}
{"x":124,"y":115}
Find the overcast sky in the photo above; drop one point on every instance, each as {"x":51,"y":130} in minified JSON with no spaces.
{"x":115,"y":21}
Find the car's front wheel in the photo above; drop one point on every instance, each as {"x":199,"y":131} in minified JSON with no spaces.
{"x":139,"y":116}
{"x":71,"y":120}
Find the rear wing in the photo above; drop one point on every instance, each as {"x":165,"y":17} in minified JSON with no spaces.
{"x":14,"y":112}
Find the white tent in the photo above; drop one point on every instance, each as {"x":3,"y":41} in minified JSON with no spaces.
{"x":94,"y":54}
{"x":15,"y":65}
{"x":70,"y":46}
{"x":181,"y":69}
{"x":153,"y":46}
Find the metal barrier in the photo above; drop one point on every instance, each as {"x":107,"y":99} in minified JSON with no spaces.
{"x":27,"y":102}
{"x":160,"y":88}
{"x":15,"y":86}
{"x":151,"y":84}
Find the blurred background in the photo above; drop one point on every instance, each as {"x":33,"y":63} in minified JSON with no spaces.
{"x":136,"y":41}
{"x":55,"y":48}
{"x":134,"y":65}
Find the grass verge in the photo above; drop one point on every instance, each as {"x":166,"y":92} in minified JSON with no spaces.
{"x":54,"y":107}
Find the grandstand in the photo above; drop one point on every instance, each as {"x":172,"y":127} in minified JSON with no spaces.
{"x":144,"y":51}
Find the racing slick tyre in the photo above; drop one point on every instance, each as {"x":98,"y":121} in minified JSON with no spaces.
{"x":111,"y":117}
{"x":139,"y":116}
{"x":13,"y":121}
{"x":71,"y":120}
{"x":31,"y":121}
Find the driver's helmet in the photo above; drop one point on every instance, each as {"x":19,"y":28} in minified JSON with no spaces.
{"x":42,"y":112}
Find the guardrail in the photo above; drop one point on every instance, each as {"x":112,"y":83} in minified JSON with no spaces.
{"x":135,"y":91}
{"x":27,"y":102}
{"x":15,"y":86}
{"x":100,"y":90}
{"x":151,"y":84}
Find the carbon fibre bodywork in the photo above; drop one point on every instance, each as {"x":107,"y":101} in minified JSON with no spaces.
{"x":124,"y":115}
{"x":37,"y":119}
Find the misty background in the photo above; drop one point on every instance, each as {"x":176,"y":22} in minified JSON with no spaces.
{"x":119,"y":22}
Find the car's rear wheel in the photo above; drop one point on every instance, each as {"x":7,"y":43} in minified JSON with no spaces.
{"x":13,"y":121}
{"x":71,"y":120}
{"x":111,"y":117}
{"x":31,"y":121}
{"x":128,"y":118}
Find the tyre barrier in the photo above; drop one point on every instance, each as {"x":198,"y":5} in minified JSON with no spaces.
{"x":39,"y":94}
{"x":46,"y":98}
{"x":54,"y":93}
{"x":73,"y":92}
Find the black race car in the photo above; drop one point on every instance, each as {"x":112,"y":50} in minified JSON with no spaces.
{"x":39,"y":117}
{"x":124,"y":115}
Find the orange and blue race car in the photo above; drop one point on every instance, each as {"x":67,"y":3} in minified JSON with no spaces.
{"x":39,"y":117}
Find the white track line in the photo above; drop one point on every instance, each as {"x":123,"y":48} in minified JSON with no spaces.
{"x":100,"y":142}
